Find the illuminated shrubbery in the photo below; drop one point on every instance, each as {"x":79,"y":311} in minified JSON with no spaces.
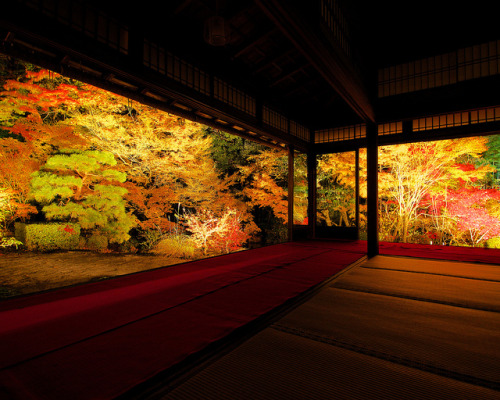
{"x":6,"y":210}
{"x":176,"y":245}
{"x":441,"y":192}
{"x":97,"y":242}
{"x":49,"y":236}
{"x":121,"y":169}
{"x":212,"y":233}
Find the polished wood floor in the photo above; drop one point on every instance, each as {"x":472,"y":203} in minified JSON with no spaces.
{"x":390,"y":328}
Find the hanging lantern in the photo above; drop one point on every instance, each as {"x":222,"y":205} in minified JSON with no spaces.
{"x":217,"y":31}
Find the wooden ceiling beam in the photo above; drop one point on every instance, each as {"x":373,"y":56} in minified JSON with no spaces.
{"x":288,"y":74}
{"x":249,"y":44}
{"x":329,"y":61}
{"x":266,"y":63}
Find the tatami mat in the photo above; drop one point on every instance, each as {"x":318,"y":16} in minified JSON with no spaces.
{"x":436,"y":267}
{"x":278,"y":365}
{"x":462,"y":292}
{"x":448,"y":338}
{"x":391,"y":335}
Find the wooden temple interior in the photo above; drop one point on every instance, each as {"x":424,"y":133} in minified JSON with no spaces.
{"x":312,"y":77}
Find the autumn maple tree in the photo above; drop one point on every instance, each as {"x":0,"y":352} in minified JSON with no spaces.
{"x":256,"y":178}
{"x":31,"y":128}
{"x":408,"y":173}
{"x":416,"y":185}
{"x":469,"y":215}
{"x":337,"y":189}
{"x":17,"y":156}
{"x":260,"y":179}
{"x":221,"y":233}
{"x":50,"y":123}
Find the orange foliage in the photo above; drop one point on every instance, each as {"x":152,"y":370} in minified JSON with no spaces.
{"x":411,"y":173}
{"x":259,"y":181}
{"x":167,"y":159}
{"x":152,"y":205}
{"x":16,"y":167}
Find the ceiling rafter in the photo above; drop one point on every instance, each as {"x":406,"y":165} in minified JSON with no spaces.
{"x":250,"y":43}
{"x":288,"y":74}
{"x":268,"y":62}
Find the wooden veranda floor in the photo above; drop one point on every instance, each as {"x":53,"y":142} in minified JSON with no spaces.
{"x":391,"y":328}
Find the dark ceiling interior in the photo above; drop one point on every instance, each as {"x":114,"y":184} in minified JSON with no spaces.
{"x":273,"y":55}
{"x":395,"y":31}
{"x":260,"y":56}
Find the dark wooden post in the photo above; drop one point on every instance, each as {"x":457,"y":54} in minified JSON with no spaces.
{"x":357,"y":193}
{"x":372,"y":189}
{"x":291,"y":175}
{"x":311,"y":194}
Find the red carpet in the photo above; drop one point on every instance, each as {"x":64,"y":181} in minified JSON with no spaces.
{"x":97,"y":341}
{"x":452,"y":253}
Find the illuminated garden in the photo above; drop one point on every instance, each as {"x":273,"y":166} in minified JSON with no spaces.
{"x":443,"y":192}
{"x":86,"y":170}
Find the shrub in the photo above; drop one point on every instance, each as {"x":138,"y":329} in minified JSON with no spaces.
{"x":97,"y":242}
{"x":47,"y":237}
{"x":130,"y":246}
{"x":150,"y":238}
{"x":180,"y":246}
{"x":212,"y":233}
{"x":493,"y":243}
{"x":9,"y":242}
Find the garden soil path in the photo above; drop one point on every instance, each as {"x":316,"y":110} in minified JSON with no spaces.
{"x":25,"y":272}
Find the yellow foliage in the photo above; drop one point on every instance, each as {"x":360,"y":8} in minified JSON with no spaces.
{"x":259,"y":178}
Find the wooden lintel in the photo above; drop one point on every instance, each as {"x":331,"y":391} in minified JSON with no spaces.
{"x":476,"y":129}
{"x":340,"y":146}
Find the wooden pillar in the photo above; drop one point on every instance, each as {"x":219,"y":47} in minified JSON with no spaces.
{"x":372,"y":189}
{"x":356,"y":177}
{"x":291,"y":180}
{"x":311,"y":194}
